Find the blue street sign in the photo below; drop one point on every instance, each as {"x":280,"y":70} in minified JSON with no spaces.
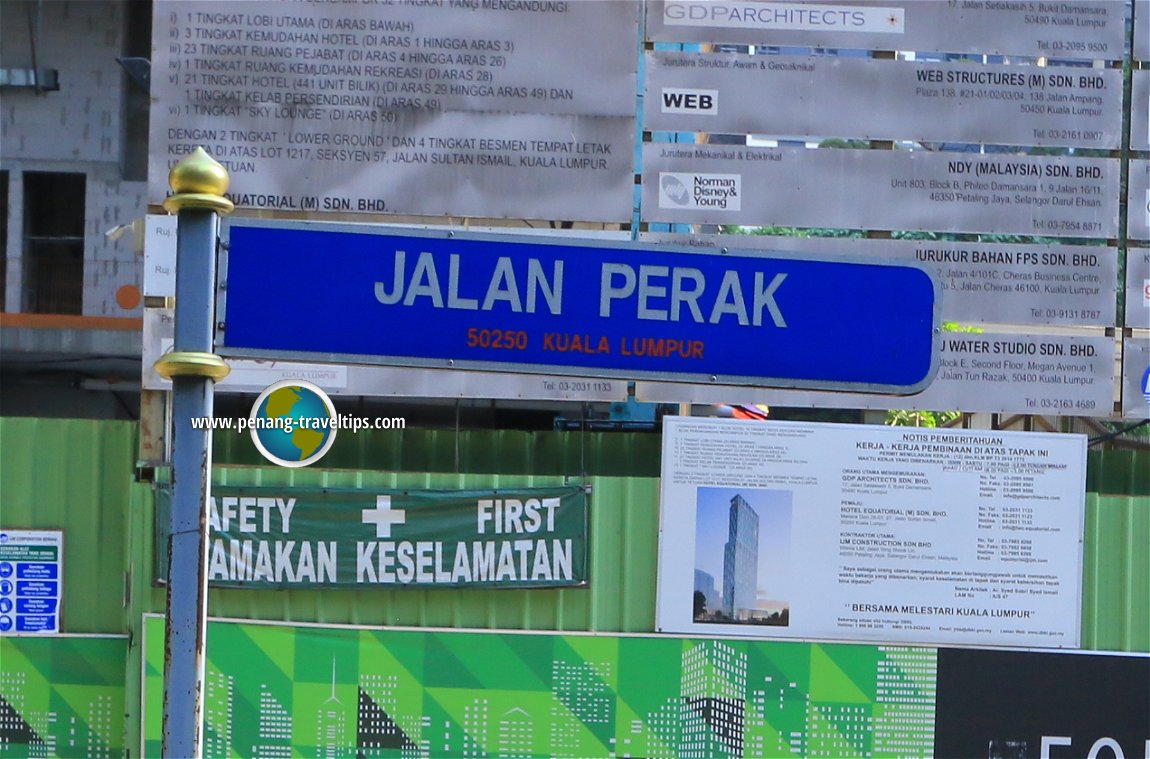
{"x":362,"y":294}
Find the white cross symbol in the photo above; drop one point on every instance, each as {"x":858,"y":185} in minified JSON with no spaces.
{"x":383,"y":516}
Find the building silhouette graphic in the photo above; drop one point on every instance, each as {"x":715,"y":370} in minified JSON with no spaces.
{"x":218,"y":695}
{"x":713,"y":690}
{"x":14,"y":729}
{"x":741,"y":560}
{"x":516,"y":734}
{"x":331,"y":725}
{"x":476,"y":728}
{"x":275,"y":727}
{"x":658,"y":735}
{"x":584,"y":706}
{"x":376,"y":732}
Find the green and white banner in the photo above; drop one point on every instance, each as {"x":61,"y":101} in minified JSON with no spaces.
{"x":298,"y":537}
{"x":63,"y":696}
{"x":278,"y":690}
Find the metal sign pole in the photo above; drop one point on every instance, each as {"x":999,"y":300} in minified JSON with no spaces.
{"x":199,"y":183}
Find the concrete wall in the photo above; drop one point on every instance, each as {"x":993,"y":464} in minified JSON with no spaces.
{"x":75,"y":129}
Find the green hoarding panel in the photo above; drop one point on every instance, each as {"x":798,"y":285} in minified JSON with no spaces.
{"x":576,"y":453}
{"x":1118,"y":472}
{"x":62,"y":696}
{"x":277,"y":690}
{"x":1116,"y":574}
{"x":75,"y":476}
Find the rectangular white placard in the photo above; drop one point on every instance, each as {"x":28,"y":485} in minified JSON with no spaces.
{"x":853,"y":532}
{"x":982,"y":283}
{"x":160,"y":255}
{"x":1142,"y":30}
{"x":255,"y":375}
{"x":1055,"y":196}
{"x":1050,"y":375}
{"x":1140,"y":110}
{"x":1138,"y":209}
{"x":1083,"y":29}
{"x":823,"y":96}
{"x":1138,"y":288}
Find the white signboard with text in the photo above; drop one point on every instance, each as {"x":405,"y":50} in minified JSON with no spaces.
{"x":492,"y":109}
{"x":1091,"y":29}
{"x":884,"y":99}
{"x":982,"y":283}
{"x":1142,"y":30}
{"x":851,"y":532}
{"x":1140,"y":110}
{"x":1062,"y":196}
{"x":1012,"y":373}
{"x":1138,"y":288}
{"x":254,"y":375}
{"x":1138,"y":215}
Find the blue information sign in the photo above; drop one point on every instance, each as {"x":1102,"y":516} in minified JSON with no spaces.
{"x":30,"y":572}
{"x":363,"y":294}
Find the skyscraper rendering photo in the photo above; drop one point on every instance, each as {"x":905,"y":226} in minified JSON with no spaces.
{"x":741,"y":560}
{"x":742,"y":545}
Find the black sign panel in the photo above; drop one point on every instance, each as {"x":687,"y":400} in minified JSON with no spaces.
{"x":1022,"y":705}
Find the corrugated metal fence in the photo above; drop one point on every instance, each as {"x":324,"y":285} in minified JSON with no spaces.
{"x":76,"y":475}
{"x":624,"y":524}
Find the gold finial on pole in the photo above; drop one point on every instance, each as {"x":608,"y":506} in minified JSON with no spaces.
{"x":199,"y":181}
{"x":191,"y":364}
